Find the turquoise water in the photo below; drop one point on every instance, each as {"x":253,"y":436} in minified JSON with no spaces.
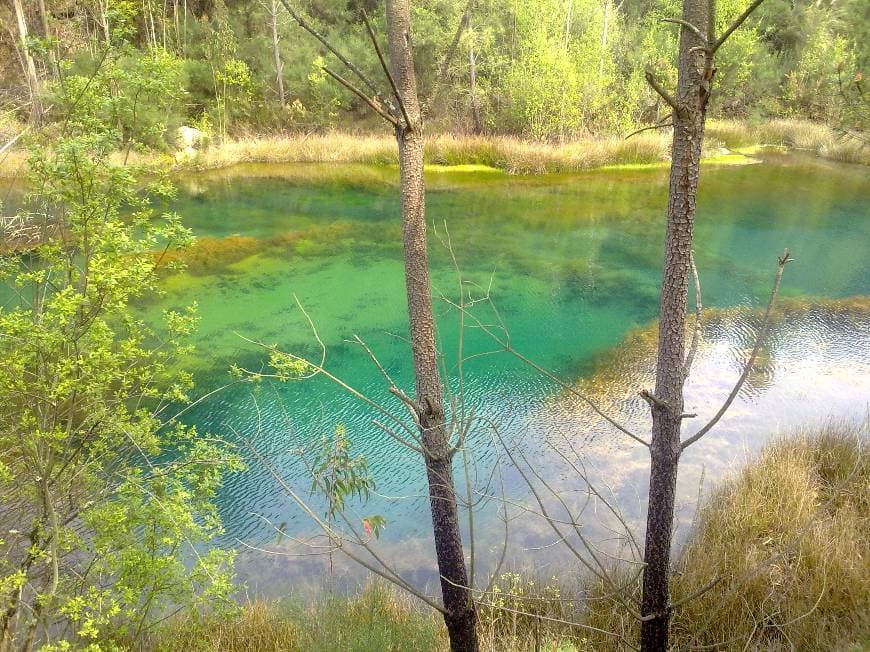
{"x":573,"y":265}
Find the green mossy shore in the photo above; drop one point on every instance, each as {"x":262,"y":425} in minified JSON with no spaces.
{"x":786,"y":537}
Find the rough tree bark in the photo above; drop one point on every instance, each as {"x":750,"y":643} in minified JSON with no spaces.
{"x":460,"y":616}
{"x":666,"y":404}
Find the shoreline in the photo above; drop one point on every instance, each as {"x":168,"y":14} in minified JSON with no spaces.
{"x":727,"y":142}
{"x":814,"y":473}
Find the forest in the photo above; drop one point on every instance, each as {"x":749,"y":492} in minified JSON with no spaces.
{"x":434,"y":325}
{"x":551,"y":70}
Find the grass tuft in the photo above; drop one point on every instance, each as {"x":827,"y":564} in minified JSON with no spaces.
{"x":788,"y":537}
{"x":379,"y":619}
{"x":787,"y":541}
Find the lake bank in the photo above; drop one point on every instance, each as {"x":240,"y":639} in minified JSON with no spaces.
{"x":784,"y":537}
{"x":726,"y":142}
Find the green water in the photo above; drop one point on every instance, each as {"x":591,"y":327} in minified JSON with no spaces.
{"x":573,"y":263}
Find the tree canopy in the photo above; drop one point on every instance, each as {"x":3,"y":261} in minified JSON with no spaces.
{"x":550,"y":69}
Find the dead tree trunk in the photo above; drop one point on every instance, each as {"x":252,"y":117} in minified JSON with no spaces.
{"x":605,"y":31}
{"x":460,"y":616}
{"x":476,"y":126}
{"x":689,"y":111}
{"x":276,"y":51}
{"x":53,"y":55}
{"x":28,"y":64}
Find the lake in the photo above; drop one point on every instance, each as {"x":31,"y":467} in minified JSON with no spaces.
{"x":571,"y":264}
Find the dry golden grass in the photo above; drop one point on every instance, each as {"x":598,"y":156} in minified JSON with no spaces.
{"x":801,"y":135}
{"x":511,"y":154}
{"x":519,"y":156}
{"x":787,"y":540}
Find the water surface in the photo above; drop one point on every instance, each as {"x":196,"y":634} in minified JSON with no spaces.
{"x":572,"y":263}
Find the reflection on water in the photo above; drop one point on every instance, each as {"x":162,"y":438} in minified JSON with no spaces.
{"x":574,"y":263}
{"x":816,"y":364}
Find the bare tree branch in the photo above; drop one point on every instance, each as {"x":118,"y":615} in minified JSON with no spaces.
{"x":14,"y":140}
{"x":659,"y":125}
{"x":601,"y":572}
{"x":736,"y":24}
{"x":386,"y":69}
{"x":386,"y":572}
{"x":508,"y":348}
{"x":687,"y":25}
{"x":651,"y":80}
{"x":365,"y":98}
{"x":762,"y":333}
{"x":304,"y":24}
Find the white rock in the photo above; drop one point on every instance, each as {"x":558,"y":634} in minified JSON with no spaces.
{"x":189,"y":139}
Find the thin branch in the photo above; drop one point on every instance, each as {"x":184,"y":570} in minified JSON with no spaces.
{"x":658,"y":125}
{"x":464,"y":427}
{"x":505,"y":344}
{"x":304,"y":24}
{"x":651,"y":80}
{"x":737,"y":23}
{"x":374,"y":359}
{"x":611,"y":507}
{"x":696,"y":594}
{"x":320,"y":370}
{"x":687,"y":25}
{"x":401,"y":440}
{"x":508,"y":348}
{"x":414,"y":408}
{"x":13,"y":141}
{"x":652,"y":400}
{"x":762,"y":333}
{"x":386,"y":68}
{"x":386,"y":572}
{"x":552,"y":522}
{"x":560,"y":621}
{"x":365,"y":98}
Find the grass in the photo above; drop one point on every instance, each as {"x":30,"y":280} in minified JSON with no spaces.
{"x":786,"y":537}
{"x":510,"y":154}
{"x":377,"y":620}
{"x":513,"y":155}
{"x":518,"y":156}
{"x":789,"y":538}
{"x":800,"y":135}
